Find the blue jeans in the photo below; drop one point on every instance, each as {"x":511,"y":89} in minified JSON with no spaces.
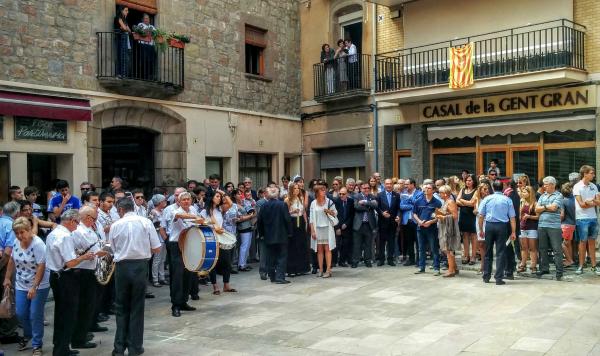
{"x":587,"y":229}
{"x":31,"y":314}
{"x":430,"y":237}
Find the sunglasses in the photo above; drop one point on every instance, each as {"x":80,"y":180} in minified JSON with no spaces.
{"x":139,"y":197}
{"x":85,"y":188}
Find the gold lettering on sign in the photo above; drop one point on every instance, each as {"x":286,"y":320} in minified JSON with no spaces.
{"x":510,"y":104}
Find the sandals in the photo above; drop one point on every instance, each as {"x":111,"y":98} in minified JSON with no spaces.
{"x":327,"y":275}
{"x":230,"y":290}
{"x":521,"y":269}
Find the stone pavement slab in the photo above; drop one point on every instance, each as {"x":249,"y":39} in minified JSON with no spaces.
{"x":373,"y":311}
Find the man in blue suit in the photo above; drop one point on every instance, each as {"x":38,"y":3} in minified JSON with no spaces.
{"x":388,"y":203}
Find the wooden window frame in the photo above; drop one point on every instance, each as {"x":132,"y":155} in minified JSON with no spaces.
{"x":256,"y":42}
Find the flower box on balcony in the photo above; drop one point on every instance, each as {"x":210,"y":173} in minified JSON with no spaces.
{"x":138,"y":37}
{"x":173,"y":42}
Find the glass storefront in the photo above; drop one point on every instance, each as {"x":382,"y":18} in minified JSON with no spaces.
{"x":535,"y":154}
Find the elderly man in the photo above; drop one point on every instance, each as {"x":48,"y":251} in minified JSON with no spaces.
{"x":133,"y":240}
{"x":548,"y":209}
{"x":497,"y":211}
{"x":274,"y":225}
{"x":248,"y":187}
{"x":86,"y":238}
{"x":61,"y":259}
{"x":350,"y":184}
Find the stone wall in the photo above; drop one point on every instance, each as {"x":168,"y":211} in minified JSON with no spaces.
{"x":53,"y":42}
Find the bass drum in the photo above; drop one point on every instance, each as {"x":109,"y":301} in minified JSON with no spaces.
{"x":199,"y":248}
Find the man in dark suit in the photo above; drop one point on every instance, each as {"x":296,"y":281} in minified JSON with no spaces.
{"x":364,"y":225}
{"x":343,"y":230}
{"x":214,"y":185}
{"x":275,"y":226}
{"x":388,"y":203}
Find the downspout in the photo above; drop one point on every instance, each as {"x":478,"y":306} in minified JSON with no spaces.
{"x":373,"y":81}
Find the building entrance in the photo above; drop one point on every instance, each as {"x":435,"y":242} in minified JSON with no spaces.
{"x":128,"y":152}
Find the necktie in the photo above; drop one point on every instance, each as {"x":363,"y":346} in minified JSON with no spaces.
{"x":389,"y":199}
{"x":344,"y":208}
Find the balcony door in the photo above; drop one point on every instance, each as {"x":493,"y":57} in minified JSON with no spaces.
{"x":351,"y":27}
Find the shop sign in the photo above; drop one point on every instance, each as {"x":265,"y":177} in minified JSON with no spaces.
{"x":38,"y":129}
{"x":510,"y":104}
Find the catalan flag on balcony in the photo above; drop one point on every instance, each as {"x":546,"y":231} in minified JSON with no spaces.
{"x":461,"y":66}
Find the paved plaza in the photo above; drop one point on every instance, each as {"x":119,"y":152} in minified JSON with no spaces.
{"x":376,"y":311}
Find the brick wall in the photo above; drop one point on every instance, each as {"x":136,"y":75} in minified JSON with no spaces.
{"x":390,"y":34}
{"x":587,"y":13}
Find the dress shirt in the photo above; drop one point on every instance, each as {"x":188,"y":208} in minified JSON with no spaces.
{"x":178,"y":225}
{"x":352,"y":54}
{"x":166,"y":221}
{"x":7,"y":235}
{"x":59,"y":249}
{"x":497,"y":208}
{"x":132,"y":238}
{"x":83,"y":238}
{"x":140,"y":210}
{"x":425,"y":210}
{"x":114,"y":214}
{"x":550,"y":219}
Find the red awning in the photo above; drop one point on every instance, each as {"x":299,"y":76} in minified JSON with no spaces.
{"x":44,"y":106}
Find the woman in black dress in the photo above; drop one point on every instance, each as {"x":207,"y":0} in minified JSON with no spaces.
{"x":297,"y":262}
{"x":466,"y":219}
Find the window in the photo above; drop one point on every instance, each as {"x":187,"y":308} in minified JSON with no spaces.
{"x":561,"y":162}
{"x":446,"y":165}
{"x":257,"y":167}
{"x":214,"y":166}
{"x":255,"y":45}
{"x":569,"y":136}
{"x":404,"y":139}
{"x":454,"y":142}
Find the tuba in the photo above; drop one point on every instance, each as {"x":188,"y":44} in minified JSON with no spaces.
{"x":105,"y":266}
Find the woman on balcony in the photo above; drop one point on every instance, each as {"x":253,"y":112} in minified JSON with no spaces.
{"x":327,"y":58}
{"x":341,"y":59}
{"x":146,"y":55}
{"x":122,"y":32}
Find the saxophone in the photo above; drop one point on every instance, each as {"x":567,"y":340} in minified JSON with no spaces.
{"x":105,"y":266}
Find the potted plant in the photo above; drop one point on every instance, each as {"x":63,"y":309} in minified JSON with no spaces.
{"x":178,"y":41}
{"x":159,"y":39}
{"x":140,"y":34}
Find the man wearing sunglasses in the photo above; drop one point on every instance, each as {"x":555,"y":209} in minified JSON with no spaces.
{"x":140,"y":203}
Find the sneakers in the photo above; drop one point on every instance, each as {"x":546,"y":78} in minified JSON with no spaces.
{"x":37,"y":351}
{"x":579,"y":270}
{"x":596,"y":270}
{"x":436,"y":272}
{"x":23,"y":344}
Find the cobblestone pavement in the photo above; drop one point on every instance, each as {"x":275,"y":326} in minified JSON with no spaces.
{"x":374,"y":311}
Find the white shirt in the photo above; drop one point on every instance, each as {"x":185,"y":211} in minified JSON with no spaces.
{"x":166,"y":221}
{"x":140,"y":210}
{"x":352,"y":56}
{"x":114,"y":214}
{"x":178,"y":225}
{"x":59,"y":249}
{"x":104,"y":219}
{"x":586,"y":192}
{"x":217,"y":215}
{"x":83,"y":238}
{"x":132,"y":238}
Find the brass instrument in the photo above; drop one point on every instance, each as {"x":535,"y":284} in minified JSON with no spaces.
{"x":105,"y":266}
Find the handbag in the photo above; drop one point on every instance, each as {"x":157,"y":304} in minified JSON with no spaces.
{"x":7,"y":305}
{"x":332,"y":219}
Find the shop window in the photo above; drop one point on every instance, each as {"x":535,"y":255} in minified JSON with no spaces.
{"x":559,"y":163}
{"x":347,"y":172}
{"x":404,"y":139}
{"x":404,"y":164}
{"x":4,"y":177}
{"x":257,"y":167}
{"x":525,"y":138}
{"x":446,"y":165}
{"x":255,"y":45}
{"x":214,"y":166}
{"x":569,"y":136}
{"x":454,"y":142}
{"x":494,"y":140}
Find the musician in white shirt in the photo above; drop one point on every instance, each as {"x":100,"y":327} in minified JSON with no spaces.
{"x":181,"y":279}
{"x":133,"y":240}
{"x":86,"y":238}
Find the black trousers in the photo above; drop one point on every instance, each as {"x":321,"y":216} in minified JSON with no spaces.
{"x":87,"y":306}
{"x":362,"y":241}
{"x":223,"y":265}
{"x":130,"y":287}
{"x":409,"y":233}
{"x":496,"y":233}
{"x":343,"y":250}
{"x":264,"y":256}
{"x":277,"y":261}
{"x":180,"y":278}
{"x":65,"y":289}
{"x":386,"y":241}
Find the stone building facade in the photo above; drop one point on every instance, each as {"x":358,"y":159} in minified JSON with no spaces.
{"x":221,"y":112}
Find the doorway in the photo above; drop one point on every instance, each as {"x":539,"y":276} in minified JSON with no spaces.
{"x":128,"y":152}
{"x":42,"y":174}
{"x":353,"y":31}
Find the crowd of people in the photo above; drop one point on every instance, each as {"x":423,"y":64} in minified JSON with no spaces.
{"x":291,"y":229}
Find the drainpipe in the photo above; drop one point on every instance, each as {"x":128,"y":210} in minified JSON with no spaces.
{"x":373,"y":102}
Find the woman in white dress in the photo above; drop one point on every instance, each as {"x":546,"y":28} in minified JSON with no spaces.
{"x":323,"y":217}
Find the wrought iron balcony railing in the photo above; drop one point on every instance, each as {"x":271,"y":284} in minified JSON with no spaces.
{"x":343,"y":77}
{"x":532,"y":48}
{"x":130,"y":67}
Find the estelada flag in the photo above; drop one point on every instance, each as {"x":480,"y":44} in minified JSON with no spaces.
{"x":461,"y":66}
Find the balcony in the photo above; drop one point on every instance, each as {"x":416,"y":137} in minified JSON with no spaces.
{"x":149,"y":72}
{"x":549,"y":53}
{"x":343,"y":78}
